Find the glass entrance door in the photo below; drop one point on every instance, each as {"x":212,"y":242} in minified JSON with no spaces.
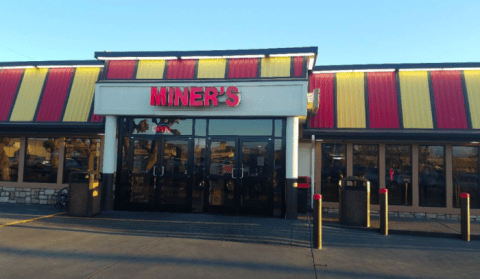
{"x":159,"y":174}
{"x":173,"y":172}
{"x":240,"y":176}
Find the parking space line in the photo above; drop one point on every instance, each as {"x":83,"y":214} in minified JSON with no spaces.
{"x":30,"y":220}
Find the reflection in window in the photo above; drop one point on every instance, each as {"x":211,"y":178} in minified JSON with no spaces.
{"x":398,"y":178}
{"x":465,"y":175}
{"x":333,"y":170}
{"x":277,"y":178}
{"x":240,"y":127}
{"x":80,"y":155}
{"x":365,"y":165}
{"x":9,"y":158}
{"x":142,"y":187}
{"x":198,"y":175}
{"x":162,"y":126}
{"x":41,"y":164}
{"x":200,"y":127}
{"x":431,"y":176}
{"x":278,"y":127}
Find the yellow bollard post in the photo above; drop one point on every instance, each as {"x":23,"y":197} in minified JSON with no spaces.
{"x":384,"y":211}
{"x":317,"y":221}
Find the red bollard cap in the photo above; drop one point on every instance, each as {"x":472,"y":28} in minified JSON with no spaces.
{"x":464,"y":195}
{"x":317,"y":197}
{"x":383,"y":191}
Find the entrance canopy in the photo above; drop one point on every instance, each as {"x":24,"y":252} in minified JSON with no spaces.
{"x":414,"y":101}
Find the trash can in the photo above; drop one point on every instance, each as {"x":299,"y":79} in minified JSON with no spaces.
{"x":303,"y":185}
{"x":354,"y":202}
{"x":84,"y":194}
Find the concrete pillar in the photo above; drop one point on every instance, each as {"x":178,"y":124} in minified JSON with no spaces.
{"x":109,"y":162}
{"x":291,"y":168}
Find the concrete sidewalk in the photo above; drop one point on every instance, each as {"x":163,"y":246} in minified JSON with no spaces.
{"x":166,"y":245}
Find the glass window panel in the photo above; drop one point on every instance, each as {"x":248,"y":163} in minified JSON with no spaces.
{"x":278,"y":127}
{"x":278,"y":174}
{"x":198,"y":175}
{"x":334,"y":169}
{"x":162,"y":126}
{"x":465,"y":175}
{"x":398,"y":178}
{"x":175,"y":156}
{"x":200,"y":127}
{"x":240,"y":127}
{"x":80,"y":155}
{"x":365,"y":165}
{"x":431,"y":176}
{"x":142,"y":185}
{"x":9,"y":158}
{"x":41,"y":163}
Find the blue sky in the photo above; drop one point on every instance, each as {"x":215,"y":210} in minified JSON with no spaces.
{"x":346,"y":32}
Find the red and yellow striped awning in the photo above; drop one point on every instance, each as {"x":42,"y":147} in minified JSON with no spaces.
{"x":214,"y":68}
{"x":398,"y":100}
{"x":48,"y":95}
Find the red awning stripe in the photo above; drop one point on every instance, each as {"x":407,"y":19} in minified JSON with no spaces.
{"x":298,"y":66}
{"x":121,"y":69}
{"x":9,"y":85}
{"x":449,"y":100}
{"x":243,"y":68}
{"x":181,"y":69}
{"x":325,"y":115}
{"x":54,"y":95}
{"x":382,"y":100}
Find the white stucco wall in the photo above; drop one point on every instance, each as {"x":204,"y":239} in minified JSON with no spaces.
{"x":304,"y":153}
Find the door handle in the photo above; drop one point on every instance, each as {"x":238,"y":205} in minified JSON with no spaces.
{"x":155,"y":171}
{"x":233,"y":170}
{"x":242,"y":173}
{"x":163,"y":170}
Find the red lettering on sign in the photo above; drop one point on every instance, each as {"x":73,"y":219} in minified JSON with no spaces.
{"x":211,"y":94}
{"x":233,"y":98}
{"x":195,"y":97}
{"x":158,"y":99}
{"x":181,"y":96}
{"x":171,"y":91}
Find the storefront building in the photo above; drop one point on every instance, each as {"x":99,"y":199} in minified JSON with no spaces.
{"x":410,"y":128}
{"x":231,"y":131}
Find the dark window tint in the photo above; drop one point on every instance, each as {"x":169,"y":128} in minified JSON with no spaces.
{"x":41,"y":162}
{"x":398,"y":177}
{"x":80,"y":155}
{"x":9,"y":158}
{"x":240,"y":127}
{"x":465,"y":175}
{"x":334,"y":169}
{"x":365,"y":165}
{"x":431,"y":176}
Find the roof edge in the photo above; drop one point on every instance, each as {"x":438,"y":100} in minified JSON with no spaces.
{"x":398,"y":66}
{"x":52,"y":63}
{"x":264,"y":51}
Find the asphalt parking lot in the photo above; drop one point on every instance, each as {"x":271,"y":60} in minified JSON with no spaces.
{"x":169,"y":245}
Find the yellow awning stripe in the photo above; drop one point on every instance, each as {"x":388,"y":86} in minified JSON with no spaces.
{"x":276,"y":67}
{"x":472,"y":81}
{"x":211,"y":68}
{"x":150,"y":69}
{"x":416,"y":106}
{"x":350,"y":100}
{"x":81,"y":95}
{"x":28,"y":95}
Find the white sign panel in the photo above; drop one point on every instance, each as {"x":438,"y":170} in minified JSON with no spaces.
{"x":255,"y":99}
